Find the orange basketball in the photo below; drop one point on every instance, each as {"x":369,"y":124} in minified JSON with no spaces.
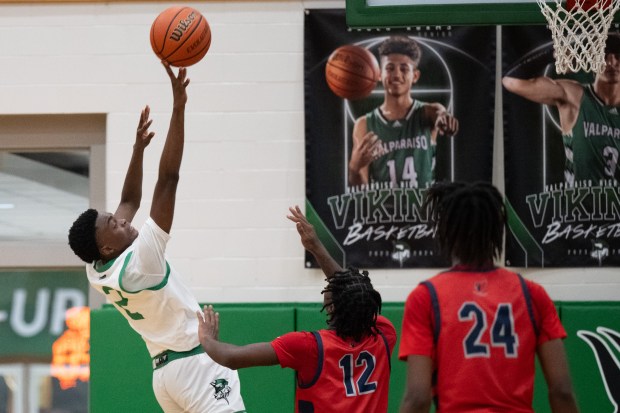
{"x":352,"y":72}
{"x":181,"y":36}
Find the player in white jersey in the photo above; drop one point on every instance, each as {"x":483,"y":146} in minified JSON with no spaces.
{"x":131,"y":270}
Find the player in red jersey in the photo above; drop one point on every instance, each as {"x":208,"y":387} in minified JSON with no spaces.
{"x":344,"y":368}
{"x":470,"y":334}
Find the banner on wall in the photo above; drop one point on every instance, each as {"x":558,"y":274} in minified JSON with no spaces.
{"x":562,"y":141}
{"x":33,"y":309}
{"x":377,"y":221}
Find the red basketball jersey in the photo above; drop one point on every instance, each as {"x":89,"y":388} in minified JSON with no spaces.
{"x":485,"y":332}
{"x":352,"y":378}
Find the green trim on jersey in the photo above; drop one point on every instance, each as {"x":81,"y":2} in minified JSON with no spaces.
{"x":163,"y":282}
{"x":104,"y":267}
{"x":159,"y":286}
{"x":407,"y":151}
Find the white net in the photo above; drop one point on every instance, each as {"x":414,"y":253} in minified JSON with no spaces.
{"x":579,"y":32}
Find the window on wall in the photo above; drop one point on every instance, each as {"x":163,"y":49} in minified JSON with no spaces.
{"x":51,"y":169}
{"x":11,"y":385}
{"x":38,"y":186}
{"x":48,"y":394}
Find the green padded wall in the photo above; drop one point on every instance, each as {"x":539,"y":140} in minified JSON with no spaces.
{"x":264,"y":389}
{"x":394,"y":313}
{"x":587,"y":379}
{"x":120,"y":366}
{"x":121,"y":369}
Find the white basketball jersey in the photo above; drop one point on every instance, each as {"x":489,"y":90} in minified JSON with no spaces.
{"x":164,"y":311}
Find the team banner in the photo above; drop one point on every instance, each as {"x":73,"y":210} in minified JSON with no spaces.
{"x":374,"y":145}
{"x":562,"y":140}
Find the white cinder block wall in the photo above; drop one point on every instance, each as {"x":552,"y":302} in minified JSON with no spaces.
{"x":244,"y":156}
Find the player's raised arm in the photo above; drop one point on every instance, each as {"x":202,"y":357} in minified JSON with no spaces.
{"x":132,"y":187}
{"x":312,"y":243}
{"x":162,"y":208}
{"x":565,"y":94}
{"x":542,"y":89}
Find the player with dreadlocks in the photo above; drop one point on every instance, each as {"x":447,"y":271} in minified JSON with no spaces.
{"x":470,"y":334}
{"x":355,"y":304}
{"x":343,"y":368}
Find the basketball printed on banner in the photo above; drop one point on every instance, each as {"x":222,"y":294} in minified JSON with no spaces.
{"x":181,"y":36}
{"x":352,"y":72}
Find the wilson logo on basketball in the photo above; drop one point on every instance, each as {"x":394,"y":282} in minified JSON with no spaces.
{"x":182,"y":27}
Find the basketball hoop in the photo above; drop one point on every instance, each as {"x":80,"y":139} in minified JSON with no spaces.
{"x":579,"y":31}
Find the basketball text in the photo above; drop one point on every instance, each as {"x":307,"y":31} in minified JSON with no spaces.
{"x":182,"y":27}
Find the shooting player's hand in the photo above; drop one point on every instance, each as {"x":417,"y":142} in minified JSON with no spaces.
{"x":179,"y":84}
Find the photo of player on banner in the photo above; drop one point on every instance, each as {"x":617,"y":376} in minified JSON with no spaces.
{"x":565,"y":205}
{"x":373,"y":151}
{"x":396,"y":141}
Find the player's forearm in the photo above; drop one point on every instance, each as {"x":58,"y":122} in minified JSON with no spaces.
{"x":415,"y":405}
{"x":563,"y":402}
{"x":356,"y":177}
{"x":237,"y":357}
{"x":221,"y":353}
{"x":132,"y":186}
{"x":172,"y":154}
{"x":325,"y":261}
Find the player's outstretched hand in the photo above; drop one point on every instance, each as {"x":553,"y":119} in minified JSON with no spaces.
{"x":306,"y":231}
{"x":208,"y":324}
{"x":143,"y":135}
{"x":179,"y":83}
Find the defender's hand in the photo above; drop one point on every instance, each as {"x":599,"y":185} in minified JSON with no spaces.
{"x":208,"y":324}
{"x":306,"y":231}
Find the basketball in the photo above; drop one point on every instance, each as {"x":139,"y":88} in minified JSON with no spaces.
{"x":352,"y":72}
{"x":181,"y":36}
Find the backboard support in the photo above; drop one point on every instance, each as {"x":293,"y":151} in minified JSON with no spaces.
{"x":369,"y":14}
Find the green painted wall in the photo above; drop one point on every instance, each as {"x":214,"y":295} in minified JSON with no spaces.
{"x":121,"y":369}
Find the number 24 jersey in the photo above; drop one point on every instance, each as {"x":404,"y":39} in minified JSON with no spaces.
{"x":482,"y":329}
